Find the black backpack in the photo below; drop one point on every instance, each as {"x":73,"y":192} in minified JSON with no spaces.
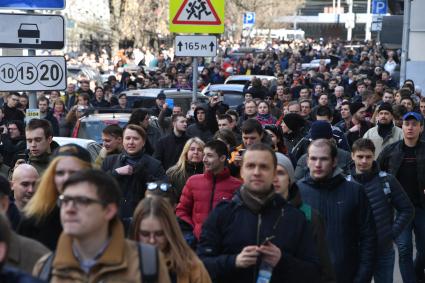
{"x":148,"y":261}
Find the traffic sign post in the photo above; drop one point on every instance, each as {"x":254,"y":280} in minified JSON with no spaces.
{"x":32,"y":4}
{"x":28,"y":73}
{"x":196,"y":45}
{"x":32,"y":31}
{"x":379,"y":7}
{"x":248,"y":19}
{"x":197,"y":16}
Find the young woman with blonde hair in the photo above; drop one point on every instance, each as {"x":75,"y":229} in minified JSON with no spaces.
{"x":41,"y":217}
{"x":189,"y":163}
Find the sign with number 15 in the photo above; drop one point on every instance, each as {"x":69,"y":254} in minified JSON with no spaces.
{"x":32,"y":73}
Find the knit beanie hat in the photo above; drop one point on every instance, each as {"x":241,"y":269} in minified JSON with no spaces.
{"x":386,"y":106}
{"x":294,"y":121}
{"x":285,"y":162}
{"x":355,"y":106}
{"x":321,"y":130}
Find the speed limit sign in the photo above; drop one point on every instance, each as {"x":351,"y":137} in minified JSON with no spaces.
{"x":32,"y":73}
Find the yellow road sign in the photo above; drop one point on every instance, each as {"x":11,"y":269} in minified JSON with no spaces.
{"x":197,"y":16}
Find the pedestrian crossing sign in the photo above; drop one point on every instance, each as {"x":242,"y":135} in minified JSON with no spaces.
{"x":197,"y":16}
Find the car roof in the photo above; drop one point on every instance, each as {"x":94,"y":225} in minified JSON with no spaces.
{"x":249,"y":77}
{"x":225,"y":87}
{"x":65,"y":140}
{"x":153,"y":92}
{"x":107,"y":116}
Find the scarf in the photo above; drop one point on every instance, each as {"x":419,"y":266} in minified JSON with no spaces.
{"x":385,"y":130}
{"x":265,"y":119}
{"x":256,"y":203}
{"x":132,"y":160}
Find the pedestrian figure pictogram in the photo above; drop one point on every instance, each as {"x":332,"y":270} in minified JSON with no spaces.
{"x":197,"y":12}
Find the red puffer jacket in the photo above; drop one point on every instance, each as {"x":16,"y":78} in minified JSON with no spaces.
{"x":202,"y":193}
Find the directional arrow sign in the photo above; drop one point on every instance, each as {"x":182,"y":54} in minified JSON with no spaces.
{"x":196,"y":45}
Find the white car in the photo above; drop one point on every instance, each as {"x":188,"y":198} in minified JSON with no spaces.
{"x":242,"y":79}
{"x":232,"y":93}
{"x":92,"y":146}
{"x":315,"y":63}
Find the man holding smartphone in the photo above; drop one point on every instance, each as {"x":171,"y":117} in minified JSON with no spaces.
{"x":257,"y":228}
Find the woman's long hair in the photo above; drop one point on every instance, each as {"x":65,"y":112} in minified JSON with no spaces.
{"x":179,"y":256}
{"x":44,"y":200}
{"x":179,"y":170}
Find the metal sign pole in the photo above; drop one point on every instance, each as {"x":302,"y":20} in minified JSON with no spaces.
{"x":195,"y":78}
{"x":32,"y":96}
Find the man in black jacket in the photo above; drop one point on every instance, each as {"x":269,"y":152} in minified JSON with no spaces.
{"x":169,"y":148}
{"x":405,"y":160}
{"x":47,"y":114}
{"x":385,"y":194}
{"x":350,"y":230}
{"x":10,"y":109}
{"x":258,"y":228}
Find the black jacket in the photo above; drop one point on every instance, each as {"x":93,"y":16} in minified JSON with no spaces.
{"x":232,"y":226}
{"x":12,"y":149}
{"x":45,"y":231}
{"x":53,"y":121}
{"x":350,"y":230}
{"x":153,"y":135}
{"x":133,"y":187}
{"x":12,"y":114}
{"x":169,"y":148}
{"x":383,"y":204}
{"x":390,"y":160}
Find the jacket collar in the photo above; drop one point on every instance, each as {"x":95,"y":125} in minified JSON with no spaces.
{"x":113,"y":254}
{"x":277,"y":200}
{"x":224,"y":174}
{"x":365,"y":177}
{"x":330,"y":183}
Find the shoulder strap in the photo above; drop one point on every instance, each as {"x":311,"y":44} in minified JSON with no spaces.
{"x":46,"y":270}
{"x":306,"y":209}
{"x":148,"y":262}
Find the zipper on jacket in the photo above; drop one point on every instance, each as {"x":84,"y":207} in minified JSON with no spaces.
{"x":259,"y":223}
{"x":212,"y":194}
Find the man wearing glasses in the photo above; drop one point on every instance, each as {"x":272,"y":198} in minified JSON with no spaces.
{"x":92,"y":244}
{"x":11,"y":111}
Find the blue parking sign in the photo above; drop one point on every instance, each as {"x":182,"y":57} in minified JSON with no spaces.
{"x":379,"y":7}
{"x":32,"y":4}
{"x":249,"y":18}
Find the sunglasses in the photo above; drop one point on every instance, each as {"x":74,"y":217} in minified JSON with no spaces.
{"x":162,"y":186}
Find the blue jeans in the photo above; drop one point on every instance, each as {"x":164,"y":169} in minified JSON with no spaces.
{"x":409,"y":270}
{"x":384,"y":267}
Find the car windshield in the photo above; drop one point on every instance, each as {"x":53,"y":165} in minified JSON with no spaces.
{"x":93,"y":129}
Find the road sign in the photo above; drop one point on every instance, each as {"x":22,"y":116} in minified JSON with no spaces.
{"x":379,"y":7}
{"x":197,"y":16}
{"x":32,"y":31}
{"x":248,"y":19}
{"x":32,"y":114}
{"x":32,"y":4}
{"x":32,"y":73}
{"x":377,"y":22}
{"x":196,"y":45}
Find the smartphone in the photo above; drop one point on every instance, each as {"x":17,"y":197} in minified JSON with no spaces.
{"x":268,"y":239}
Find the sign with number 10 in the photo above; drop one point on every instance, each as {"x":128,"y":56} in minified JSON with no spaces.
{"x":32,"y":73}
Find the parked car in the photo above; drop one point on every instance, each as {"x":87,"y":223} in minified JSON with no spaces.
{"x":145,"y":98}
{"x":242,"y":79}
{"x":232,"y":93}
{"x":91,"y":126}
{"x":315,"y":64}
{"x":91,"y":145}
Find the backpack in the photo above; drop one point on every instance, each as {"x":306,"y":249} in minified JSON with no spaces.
{"x":385,"y":185}
{"x":148,"y":264}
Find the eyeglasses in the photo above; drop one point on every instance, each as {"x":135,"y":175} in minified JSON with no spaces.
{"x":77,"y":201}
{"x":162,"y":186}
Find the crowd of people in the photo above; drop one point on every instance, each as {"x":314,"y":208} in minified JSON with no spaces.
{"x":317,"y":176}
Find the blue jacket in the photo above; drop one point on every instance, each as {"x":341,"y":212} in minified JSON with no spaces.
{"x":232,"y":226}
{"x":350,"y":230}
{"x":12,"y":275}
{"x":383,"y":203}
